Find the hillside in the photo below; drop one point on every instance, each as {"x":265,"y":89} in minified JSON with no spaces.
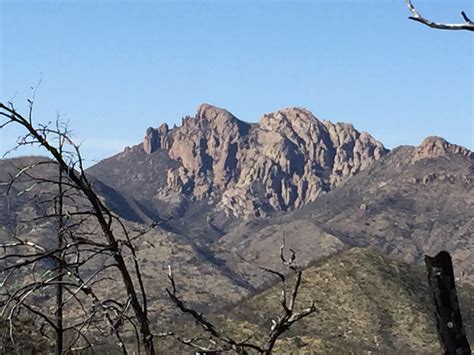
{"x":365,"y":303}
{"x":27,"y":203}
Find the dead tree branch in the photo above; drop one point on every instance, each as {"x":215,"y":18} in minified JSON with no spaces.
{"x":468,"y":24}
{"x":220,"y":341}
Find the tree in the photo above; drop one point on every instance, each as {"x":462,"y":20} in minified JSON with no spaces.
{"x":468,"y":25}
{"x":92,"y":243}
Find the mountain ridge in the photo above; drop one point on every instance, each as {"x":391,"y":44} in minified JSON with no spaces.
{"x":391,"y":203}
{"x":248,"y":170}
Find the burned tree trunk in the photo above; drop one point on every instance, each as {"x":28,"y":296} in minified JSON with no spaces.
{"x":451,"y":334}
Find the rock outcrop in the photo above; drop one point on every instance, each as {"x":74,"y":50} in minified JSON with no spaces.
{"x":433,"y":147}
{"x":156,"y":139}
{"x":282,"y":163}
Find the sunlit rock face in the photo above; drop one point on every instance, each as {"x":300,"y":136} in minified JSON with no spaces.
{"x":283,"y":162}
{"x":433,"y":147}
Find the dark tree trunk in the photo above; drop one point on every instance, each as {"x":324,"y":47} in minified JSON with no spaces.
{"x":451,"y":333}
{"x":60,"y":244}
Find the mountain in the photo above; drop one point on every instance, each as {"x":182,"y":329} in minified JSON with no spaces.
{"x":227,"y":194}
{"x":414,"y":201}
{"x":322,"y":187}
{"x":244,"y":170}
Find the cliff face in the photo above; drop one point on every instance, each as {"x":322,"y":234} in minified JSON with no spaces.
{"x":284,"y":162}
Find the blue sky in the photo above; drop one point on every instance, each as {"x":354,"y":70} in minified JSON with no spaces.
{"x":114,"y":68}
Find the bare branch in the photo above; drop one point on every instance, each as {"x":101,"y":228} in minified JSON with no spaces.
{"x":280,"y":325}
{"x":468,"y":25}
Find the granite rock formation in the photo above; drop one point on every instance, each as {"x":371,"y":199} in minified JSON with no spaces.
{"x":283,"y":162}
{"x":433,"y":147}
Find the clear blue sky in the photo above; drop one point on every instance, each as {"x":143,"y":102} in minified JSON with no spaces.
{"x":114,"y":68}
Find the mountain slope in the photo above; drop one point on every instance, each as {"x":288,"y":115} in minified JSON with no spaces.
{"x":365,"y":303}
{"x":417,"y":201}
{"x":25,"y":204}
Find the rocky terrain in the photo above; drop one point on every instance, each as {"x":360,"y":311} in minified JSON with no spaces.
{"x":283,"y":162}
{"x":405,"y":203}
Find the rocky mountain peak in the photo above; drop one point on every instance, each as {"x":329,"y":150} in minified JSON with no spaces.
{"x":211,"y":113}
{"x":433,"y":147}
{"x":283,"y":162}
